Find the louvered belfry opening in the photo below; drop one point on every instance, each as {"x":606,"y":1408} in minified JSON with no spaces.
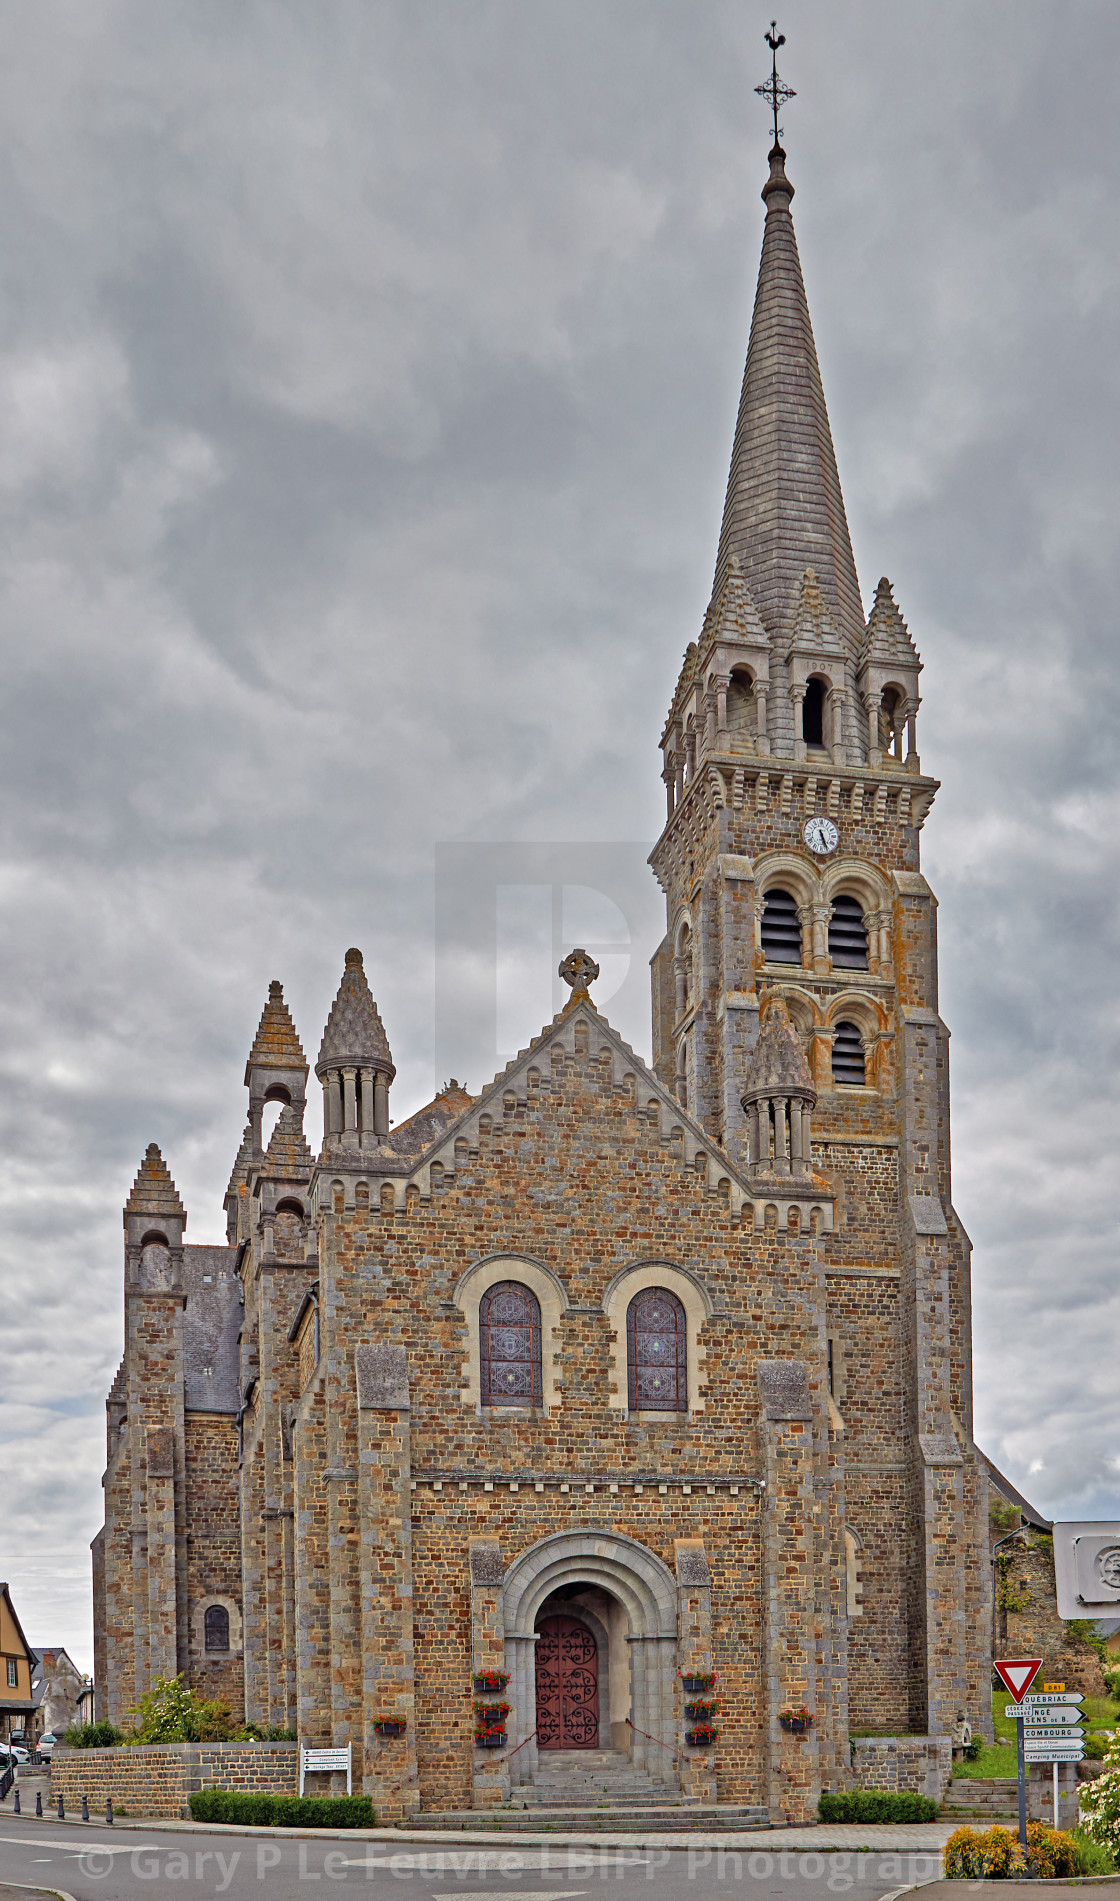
{"x":781,"y":929}
{"x":509,"y":1328}
{"x":847,"y":1055}
{"x":847,"y":934}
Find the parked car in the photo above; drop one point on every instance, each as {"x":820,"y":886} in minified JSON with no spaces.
{"x":47,"y":1742}
{"x":13,"y":1752}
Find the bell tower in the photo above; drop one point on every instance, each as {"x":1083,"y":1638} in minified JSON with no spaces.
{"x":799,"y":968}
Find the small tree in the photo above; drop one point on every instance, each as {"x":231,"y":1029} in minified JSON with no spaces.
{"x":171,"y":1712}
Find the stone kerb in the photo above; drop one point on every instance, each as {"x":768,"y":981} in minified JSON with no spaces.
{"x":918,"y":1765}
{"x":156,"y":1780}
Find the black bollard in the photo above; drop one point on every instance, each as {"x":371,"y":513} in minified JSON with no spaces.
{"x":39,"y":1803}
{"x":85,"y":1810}
{"x":109,"y":1810}
{"x":61,"y":1810}
{"x":16,"y":1810}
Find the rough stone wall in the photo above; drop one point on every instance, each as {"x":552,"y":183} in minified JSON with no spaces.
{"x":917,"y":1765}
{"x":213,"y":1550}
{"x":576,"y":1176}
{"x":1026,"y":1617}
{"x":157,"y":1779}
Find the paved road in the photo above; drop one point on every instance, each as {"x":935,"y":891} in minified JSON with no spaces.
{"x":100,"y":1864}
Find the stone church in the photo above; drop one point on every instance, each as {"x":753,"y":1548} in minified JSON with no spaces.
{"x":611,"y":1375}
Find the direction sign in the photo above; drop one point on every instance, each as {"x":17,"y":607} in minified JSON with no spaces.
{"x":1017,"y":1674}
{"x":1051,"y":1698}
{"x":1049,"y":1713}
{"x":1054,"y":1752}
{"x":1045,"y":1733}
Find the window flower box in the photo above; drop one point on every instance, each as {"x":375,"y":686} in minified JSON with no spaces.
{"x":493,"y":1738}
{"x":701,"y":1736}
{"x":390,"y":1725}
{"x":491,"y":1682}
{"x":696,"y":1682}
{"x":701,"y":1709}
{"x":489,"y":1714}
{"x":798,"y":1722}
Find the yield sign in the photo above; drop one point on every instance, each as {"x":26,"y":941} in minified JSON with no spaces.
{"x":1018,"y":1674}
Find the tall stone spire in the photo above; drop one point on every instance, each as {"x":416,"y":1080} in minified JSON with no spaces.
{"x":784,"y":510}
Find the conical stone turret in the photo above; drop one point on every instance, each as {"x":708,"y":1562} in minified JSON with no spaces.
{"x":778,"y":1099}
{"x":355,"y":1065}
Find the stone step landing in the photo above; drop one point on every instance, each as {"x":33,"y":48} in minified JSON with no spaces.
{"x":671,"y":1818}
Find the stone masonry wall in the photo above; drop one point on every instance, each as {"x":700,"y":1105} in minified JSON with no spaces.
{"x":156,"y":1779}
{"x":919,"y":1765}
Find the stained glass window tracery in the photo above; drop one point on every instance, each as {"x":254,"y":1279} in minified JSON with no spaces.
{"x":509,"y":1326}
{"x":657,"y":1352}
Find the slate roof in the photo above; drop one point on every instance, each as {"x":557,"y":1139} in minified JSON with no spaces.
{"x":411,"y":1138}
{"x":153,"y":1191}
{"x":211,"y":1322}
{"x":784,"y":510}
{"x":1014,"y":1497}
{"x":354,"y":1032}
{"x":276,"y":1045}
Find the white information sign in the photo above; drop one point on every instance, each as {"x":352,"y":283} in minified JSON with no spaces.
{"x":1053,"y":1752}
{"x":1047,"y":1734}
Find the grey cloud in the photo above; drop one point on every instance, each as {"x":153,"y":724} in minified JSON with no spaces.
{"x":367,"y":377}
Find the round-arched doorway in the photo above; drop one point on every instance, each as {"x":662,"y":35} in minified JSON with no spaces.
{"x":567,"y":1664}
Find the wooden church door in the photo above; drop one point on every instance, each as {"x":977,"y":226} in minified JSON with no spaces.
{"x":567,"y":1685}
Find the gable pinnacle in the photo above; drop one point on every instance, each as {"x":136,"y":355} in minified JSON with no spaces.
{"x":153,"y":1191}
{"x":276,"y":1045}
{"x":888,"y":637}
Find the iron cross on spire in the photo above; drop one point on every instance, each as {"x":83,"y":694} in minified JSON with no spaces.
{"x":775,"y":91}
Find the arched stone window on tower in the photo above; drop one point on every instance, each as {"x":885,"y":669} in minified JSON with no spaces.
{"x":847,"y":933}
{"x":892,"y":722}
{"x":741,"y":712}
{"x":509,"y":1328}
{"x":657,"y":1352}
{"x":216,"y":1627}
{"x":848,"y":1060}
{"x":781,"y":929}
{"x":812,"y":712}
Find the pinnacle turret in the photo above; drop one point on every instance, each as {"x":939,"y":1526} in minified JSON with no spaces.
{"x":288,"y":1153}
{"x":153,"y":1191}
{"x":355,"y":1065}
{"x":276,"y":1045}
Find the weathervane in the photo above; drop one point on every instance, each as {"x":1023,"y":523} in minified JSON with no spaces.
{"x":775,"y":91}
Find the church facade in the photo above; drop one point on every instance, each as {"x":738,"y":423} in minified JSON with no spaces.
{"x":611,"y":1376}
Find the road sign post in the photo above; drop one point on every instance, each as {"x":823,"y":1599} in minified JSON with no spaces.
{"x":1017,"y":1674}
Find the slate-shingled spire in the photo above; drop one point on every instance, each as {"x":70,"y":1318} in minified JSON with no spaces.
{"x":355,"y":1065}
{"x":784,"y":510}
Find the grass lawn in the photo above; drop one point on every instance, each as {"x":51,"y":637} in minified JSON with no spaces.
{"x":998,"y":1759}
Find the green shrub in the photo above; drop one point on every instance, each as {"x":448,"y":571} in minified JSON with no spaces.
{"x":282,"y":1811}
{"x":876,"y":1805}
{"x":93,"y":1735}
{"x":1095,"y":1747}
{"x":970,"y":1855}
{"x":173,"y":1713}
{"x":1100,"y":1805}
{"x":1093,"y":1857}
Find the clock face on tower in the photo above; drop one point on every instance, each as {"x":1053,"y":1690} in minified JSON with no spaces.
{"x":821,"y":836}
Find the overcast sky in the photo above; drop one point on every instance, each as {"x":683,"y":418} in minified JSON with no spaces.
{"x":367,"y":378}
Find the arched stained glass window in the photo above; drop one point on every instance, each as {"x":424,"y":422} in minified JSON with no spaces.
{"x":216,"y":1627}
{"x":509,"y":1326}
{"x":657,"y":1352}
